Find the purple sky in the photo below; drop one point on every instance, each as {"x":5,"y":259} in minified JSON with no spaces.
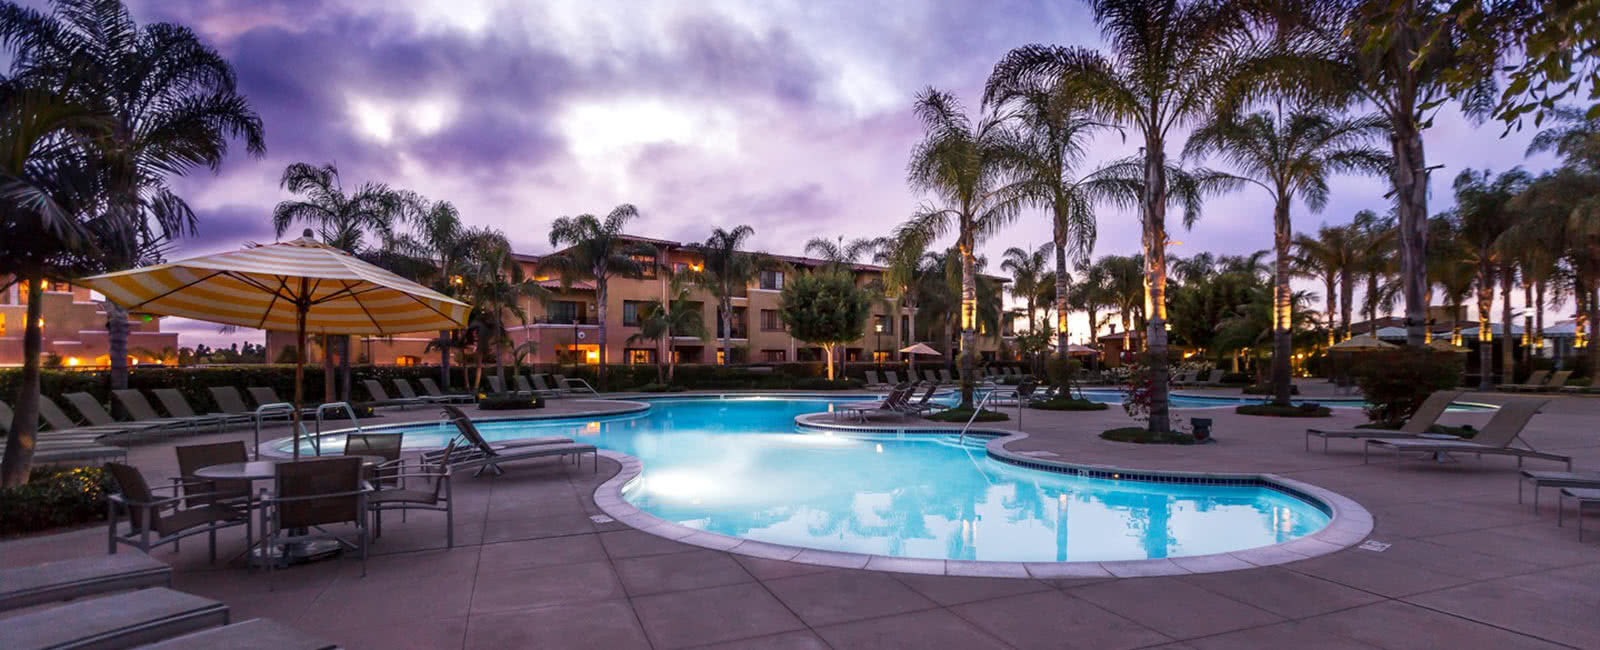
{"x":793,"y":117}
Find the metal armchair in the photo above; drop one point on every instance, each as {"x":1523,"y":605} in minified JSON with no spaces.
{"x":163,"y":516}
{"x":311,"y":494}
{"x":436,"y":496}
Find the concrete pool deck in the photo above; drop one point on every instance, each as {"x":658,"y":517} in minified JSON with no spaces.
{"x":1466,"y":566}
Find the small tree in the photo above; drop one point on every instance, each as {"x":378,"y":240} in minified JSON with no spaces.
{"x":1397,"y":382}
{"x":825,"y":309}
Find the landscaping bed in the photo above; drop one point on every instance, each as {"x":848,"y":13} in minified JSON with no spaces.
{"x":53,"y":498}
{"x":1279,"y":411}
{"x":1073,"y":404}
{"x":509,"y":402}
{"x":1141,"y":436}
{"x":963,"y":415}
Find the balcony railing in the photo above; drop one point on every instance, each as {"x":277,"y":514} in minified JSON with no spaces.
{"x":580,"y":319}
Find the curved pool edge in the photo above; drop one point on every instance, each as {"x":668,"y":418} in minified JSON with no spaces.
{"x":1348,"y":524}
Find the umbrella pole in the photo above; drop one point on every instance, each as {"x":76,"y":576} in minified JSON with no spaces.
{"x":299,"y":369}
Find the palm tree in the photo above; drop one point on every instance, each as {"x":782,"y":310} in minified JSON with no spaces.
{"x":960,"y":163}
{"x":1290,"y":156}
{"x":1027,"y":272}
{"x":1335,"y":256}
{"x":840,"y":253}
{"x":174,"y":104}
{"x":1125,"y":286}
{"x":902,"y":276}
{"x":1166,"y":59}
{"x":597,"y":251}
{"x":662,"y":321}
{"x":727,"y":271}
{"x":1482,"y":214}
{"x":50,"y":173}
{"x":1562,"y":210}
{"x":436,"y":254}
{"x":1051,"y":126}
{"x":341,"y":220}
{"x":498,"y":288}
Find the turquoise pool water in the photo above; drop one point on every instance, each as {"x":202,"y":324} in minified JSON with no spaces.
{"x":740,"y":467}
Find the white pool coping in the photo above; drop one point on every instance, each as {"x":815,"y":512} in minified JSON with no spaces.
{"x":1348,"y":525}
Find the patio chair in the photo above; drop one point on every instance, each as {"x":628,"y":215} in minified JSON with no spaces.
{"x":432,"y":388}
{"x":122,"y":620}
{"x":873,"y":380}
{"x":139,"y":408}
{"x":1536,"y":381}
{"x":231,"y":401}
{"x":381,"y":397}
{"x":383,"y":445}
{"x":945,"y":377}
{"x":51,"y":439}
{"x":921,"y":406}
{"x":1543,"y":479}
{"x":574,"y":386}
{"x":256,"y":633}
{"x":544,"y":388}
{"x":1416,"y":425}
{"x":173,"y":400}
{"x":1495,"y":438}
{"x":487,"y":457}
{"x":524,"y":386}
{"x":192,"y":458}
{"x":435,"y":495}
{"x":311,"y":494}
{"x":60,"y":423}
{"x":891,"y":404}
{"x":894,"y":378}
{"x":80,"y":577}
{"x":1586,"y":497}
{"x":407,"y":392}
{"x":96,"y":415}
{"x":164,"y":517}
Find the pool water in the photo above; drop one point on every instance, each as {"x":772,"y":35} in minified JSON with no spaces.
{"x":740,"y":467}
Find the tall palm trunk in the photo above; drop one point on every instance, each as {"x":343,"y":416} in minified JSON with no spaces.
{"x":1155,"y":255}
{"x":1329,"y":284}
{"x":969,"y":316}
{"x":345,"y":380}
{"x":600,"y":310}
{"x":117,"y":343}
{"x":444,"y":359}
{"x":1061,"y":293}
{"x":1538,"y":315}
{"x":1411,"y":205}
{"x":1485,"y":342}
{"x":1594,"y":329}
{"x":1508,"y":362}
{"x":1282,"y":318}
{"x":25,"y":419}
{"x":1347,"y":300}
{"x":725,"y":317}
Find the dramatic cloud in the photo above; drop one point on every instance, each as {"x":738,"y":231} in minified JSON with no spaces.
{"x":791,"y":116}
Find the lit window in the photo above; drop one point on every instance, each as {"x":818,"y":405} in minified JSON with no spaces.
{"x":630,"y":313}
{"x":775,"y":356}
{"x":880,"y":356}
{"x":407,"y":360}
{"x":641,"y":357}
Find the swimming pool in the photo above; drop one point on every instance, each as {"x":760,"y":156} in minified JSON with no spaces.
{"x":738,"y":466}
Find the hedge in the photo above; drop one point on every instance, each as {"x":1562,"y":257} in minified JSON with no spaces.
{"x":53,"y":498}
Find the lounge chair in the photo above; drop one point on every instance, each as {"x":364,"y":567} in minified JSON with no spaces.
{"x":890,"y":404}
{"x":1586,"y":497}
{"x":173,"y":400}
{"x":407,"y":392}
{"x":544,"y":388}
{"x":930,"y":376}
{"x":894,"y":378}
{"x":524,"y":386}
{"x":256,"y":633}
{"x":164,"y":517}
{"x":1416,"y":425}
{"x":1536,"y":381}
{"x":1545,"y":478}
{"x":873,"y":381}
{"x":923,"y":405}
{"x":140,"y":410}
{"x":62,"y":424}
{"x":574,"y":386}
{"x":1495,"y":438}
{"x":497,"y":386}
{"x":434,"y":495}
{"x":122,"y":620}
{"x":432,"y":388}
{"x":1213,"y":378}
{"x":56,"y":440}
{"x":382,"y":398}
{"x":310,"y":494}
{"x":1558,"y":381}
{"x":1185,"y":378}
{"x":95,"y":413}
{"x":231,"y":402}
{"x":79,"y":578}
{"x":484,"y":456}
{"x":945,"y":378}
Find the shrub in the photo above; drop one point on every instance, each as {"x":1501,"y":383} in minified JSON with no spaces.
{"x":52,"y":498}
{"x":1279,"y":411}
{"x":1396,"y":382}
{"x":660,"y":388}
{"x":509,"y":402}
{"x":1142,"y":436}
{"x":1266,"y":389}
{"x":1237,"y":378}
{"x":1061,"y":370}
{"x":963,"y":415}
{"x":819,"y":383}
{"x":1069,"y":404}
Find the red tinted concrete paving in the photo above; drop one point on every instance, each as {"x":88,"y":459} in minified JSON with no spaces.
{"x":1468,"y":566}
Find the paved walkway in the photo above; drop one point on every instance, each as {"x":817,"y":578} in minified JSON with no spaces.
{"x":1467,"y":567}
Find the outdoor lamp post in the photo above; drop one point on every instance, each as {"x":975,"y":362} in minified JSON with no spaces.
{"x":877,"y":353}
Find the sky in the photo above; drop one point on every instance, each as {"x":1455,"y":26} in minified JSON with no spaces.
{"x":794,"y":117}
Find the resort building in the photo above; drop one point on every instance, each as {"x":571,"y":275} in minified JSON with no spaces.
{"x":75,"y":328}
{"x":565,"y":329}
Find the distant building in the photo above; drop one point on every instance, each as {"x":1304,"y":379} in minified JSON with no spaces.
{"x":75,"y":328}
{"x":566,"y":329}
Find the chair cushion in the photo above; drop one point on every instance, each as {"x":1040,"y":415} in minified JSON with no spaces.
{"x":402,"y":496}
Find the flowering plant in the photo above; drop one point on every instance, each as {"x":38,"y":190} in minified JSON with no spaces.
{"x":1138,"y":390}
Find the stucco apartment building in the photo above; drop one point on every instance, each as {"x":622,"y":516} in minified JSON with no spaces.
{"x":566,"y":328}
{"x":75,"y":328}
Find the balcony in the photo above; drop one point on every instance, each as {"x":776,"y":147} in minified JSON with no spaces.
{"x":737,"y":332}
{"x":568,"y":319}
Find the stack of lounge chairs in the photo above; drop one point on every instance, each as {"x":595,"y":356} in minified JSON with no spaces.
{"x":125,"y":600}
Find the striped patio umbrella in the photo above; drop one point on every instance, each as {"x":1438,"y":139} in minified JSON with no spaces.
{"x":301,"y":286}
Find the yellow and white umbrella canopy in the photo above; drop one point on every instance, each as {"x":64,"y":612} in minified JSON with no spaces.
{"x":268,"y":287}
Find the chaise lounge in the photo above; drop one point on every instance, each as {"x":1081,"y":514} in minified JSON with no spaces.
{"x":480,"y":454}
{"x":1416,"y":426}
{"x":1495,"y":439}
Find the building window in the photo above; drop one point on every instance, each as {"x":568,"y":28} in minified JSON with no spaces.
{"x":905,"y":330}
{"x":775,"y":356}
{"x":564,"y":312}
{"x":882,"y":324}
{"x":647,"y":264}
{"x":406,"y":360}
{"x":641,"y":357}
{"x":772,"y":280}
{"x":880,"y":356}
{"x":631,"y":311}
{"x":770,"y":321}
{"x":679,"y":268}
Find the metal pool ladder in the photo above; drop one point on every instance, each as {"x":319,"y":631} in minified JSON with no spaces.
{"x":975,"y":411}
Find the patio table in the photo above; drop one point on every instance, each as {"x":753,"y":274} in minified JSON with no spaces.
{"x":258,"y":470}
